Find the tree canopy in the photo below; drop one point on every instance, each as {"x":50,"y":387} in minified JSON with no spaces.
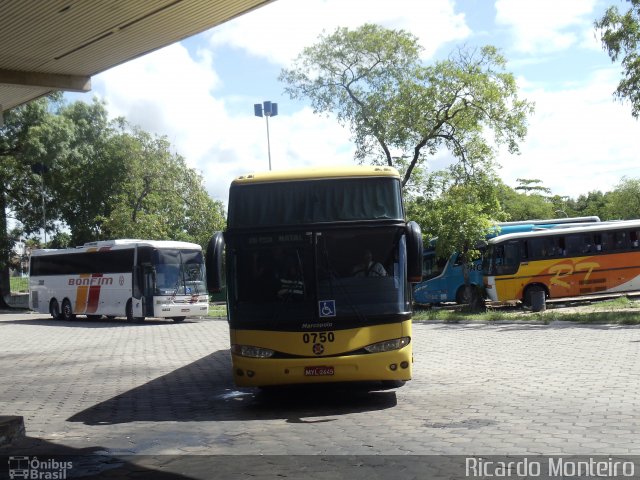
{"x":620,"y":34}
{"x":401,"y":111}
{"x":85,"y":177}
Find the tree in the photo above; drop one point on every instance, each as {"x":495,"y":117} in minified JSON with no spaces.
{"x":459,"y":211}
{"x":532,"y":185}
{"x":620,"y":35}
{"x":400,"y":111}
{"x":96,"y":179}
{"x":18,"y":125}
{"x":521,"y":206}
{"x":623,"y":202}
{"x":160,"y":197}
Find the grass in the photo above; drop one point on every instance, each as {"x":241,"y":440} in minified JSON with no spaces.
{"x":622,"y":311}
{"x":19,"y":284}
{"x":217,"y":310}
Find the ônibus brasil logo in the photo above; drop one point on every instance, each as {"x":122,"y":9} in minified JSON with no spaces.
{"x":32,"y":468}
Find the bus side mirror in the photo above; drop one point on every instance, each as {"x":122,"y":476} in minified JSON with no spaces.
{"x":213,"y":262}
{"x":414,"y":253}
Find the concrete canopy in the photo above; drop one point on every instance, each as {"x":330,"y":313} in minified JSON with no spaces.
{"x":59,"y":44}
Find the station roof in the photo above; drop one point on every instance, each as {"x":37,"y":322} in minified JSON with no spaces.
{"x":60,"y":44}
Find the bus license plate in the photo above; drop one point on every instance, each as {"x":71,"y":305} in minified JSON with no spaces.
{"x":318,"y":371}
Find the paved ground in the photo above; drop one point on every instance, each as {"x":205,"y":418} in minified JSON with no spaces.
{"x":161,"y":388}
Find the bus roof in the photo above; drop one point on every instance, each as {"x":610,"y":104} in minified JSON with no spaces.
{"x":120,"y":244}
{"x":317,"y":173}
{"x":586,"y":228}
{"x":552,"y":221}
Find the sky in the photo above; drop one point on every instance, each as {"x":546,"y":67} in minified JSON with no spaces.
{"x":200,"y":93}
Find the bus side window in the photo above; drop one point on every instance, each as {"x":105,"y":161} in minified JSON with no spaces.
{"x":634,"y":237}
{"x":622,"y":240}
{"x":597,"y":240}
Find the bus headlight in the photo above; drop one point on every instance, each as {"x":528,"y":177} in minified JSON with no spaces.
{"x":251,"y":351}
{"x":388,"y":345}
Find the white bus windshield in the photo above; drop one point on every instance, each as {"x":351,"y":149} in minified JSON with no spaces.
{"x":179,"y":272}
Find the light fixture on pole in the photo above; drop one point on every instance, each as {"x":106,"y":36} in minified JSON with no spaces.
{"x":269,"y":110}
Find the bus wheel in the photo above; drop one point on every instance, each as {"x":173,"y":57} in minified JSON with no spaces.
{"x":130,"y":317}
{"x":67,"y":311}
{"x":530,"y":292}
{"x":178,"y":319}
{"x":466,"y":295}
{"x":54,"y":309}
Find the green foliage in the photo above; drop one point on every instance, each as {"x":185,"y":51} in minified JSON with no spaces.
{"x":522,"y":206}
{"x":400,"y":111}
{"x":621,"y":39}
{"x":97,"y":179}
{"x":459,"y":211}
{"x":623,"y":203}
{"x":532,"y":185}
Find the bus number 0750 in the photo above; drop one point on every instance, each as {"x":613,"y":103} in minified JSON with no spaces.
{"x":321,"y":337}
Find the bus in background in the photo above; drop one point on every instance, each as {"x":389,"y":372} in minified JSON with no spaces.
{"x":115,"y":278}
{"x":443,"y":279}
{"x":590,"y":259}
{"x":318,"y":264}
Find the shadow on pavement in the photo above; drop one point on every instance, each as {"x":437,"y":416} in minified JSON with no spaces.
{"x":36,"y":458}
{"x":204,"y":391}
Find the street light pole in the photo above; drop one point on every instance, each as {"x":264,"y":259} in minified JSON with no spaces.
{"x":269,"y":110}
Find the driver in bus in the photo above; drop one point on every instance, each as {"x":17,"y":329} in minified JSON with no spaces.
{"x":368,"y":268}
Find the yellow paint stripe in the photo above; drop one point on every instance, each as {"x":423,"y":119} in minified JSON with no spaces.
{"x":82,"y":294}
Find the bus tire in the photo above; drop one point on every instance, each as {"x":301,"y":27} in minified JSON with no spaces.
{"x":467,"y":297}
{"x":54,"y":309}
{"x":67,"y":311}
{"x":129,"y":313}
{"x":178,"y":319}
{"x":529,"y":292}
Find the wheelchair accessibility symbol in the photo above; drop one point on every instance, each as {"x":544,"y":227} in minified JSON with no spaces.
{"x":327,"y":308}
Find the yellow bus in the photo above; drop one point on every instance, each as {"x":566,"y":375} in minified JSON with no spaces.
{"x":318,"y":266}
{"x":598,"y":258}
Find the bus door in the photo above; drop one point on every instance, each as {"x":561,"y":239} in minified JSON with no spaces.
{"x":149,"y":287}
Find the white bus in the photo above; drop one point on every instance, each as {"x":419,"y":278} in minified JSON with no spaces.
{"x":115,"y":278}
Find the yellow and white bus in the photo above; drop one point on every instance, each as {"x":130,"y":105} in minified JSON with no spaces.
{"x":597,"y":258}
{"x":318,"y":267}
{"x":130,"y":278}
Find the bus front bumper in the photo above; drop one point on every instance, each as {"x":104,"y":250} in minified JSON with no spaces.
{"x":388,"y":366}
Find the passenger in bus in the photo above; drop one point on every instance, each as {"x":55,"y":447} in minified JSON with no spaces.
{"x":368,"y":268}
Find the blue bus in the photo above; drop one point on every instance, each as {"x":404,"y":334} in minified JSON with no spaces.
{"x":443,"y":278}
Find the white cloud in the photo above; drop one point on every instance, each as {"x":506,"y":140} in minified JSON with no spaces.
{"x":279,"y":31}
{"x":546,"y":25}
{"x":579,"y":139}
{"x":170,"y":93}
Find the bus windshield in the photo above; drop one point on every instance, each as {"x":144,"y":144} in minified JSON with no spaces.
{"x":307,"y":202}
{"x":502,"y":258}
{"x":179,"y":272}
{"x":284,"y":280}
{"x":432,"y":266}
